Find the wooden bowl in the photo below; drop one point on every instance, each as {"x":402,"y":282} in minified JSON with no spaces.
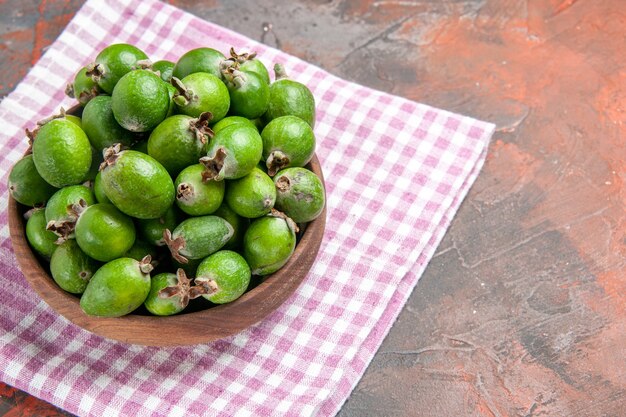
{"x":186,"y":328}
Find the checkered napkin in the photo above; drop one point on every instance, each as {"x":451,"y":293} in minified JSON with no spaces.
{"x":396,"y":172}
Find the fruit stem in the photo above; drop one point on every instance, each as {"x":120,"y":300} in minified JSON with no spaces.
{"x":184,"y":191}
{"x":110,"y":155}
{"x":279,"y":71}
{"x":61,"y":115}
{"x":241,"y":58}
{"x":145,"y":265}
{"x":183,"y":95}
{"x":213,"y":165}
{"x":182,"y":288}
{"x":175,"y":245}
{"x":275,"y":162}
{"x":292,"y":225}
{"x":95,"y":71}
{"x":69,"y":90}
{"x":200,"y":127}
{"x":208,"y":285}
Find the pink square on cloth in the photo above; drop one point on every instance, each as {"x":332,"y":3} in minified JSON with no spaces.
{"x":396,"y":173}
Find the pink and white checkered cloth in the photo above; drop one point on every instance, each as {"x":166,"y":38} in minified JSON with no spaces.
{"x":396,"y":172}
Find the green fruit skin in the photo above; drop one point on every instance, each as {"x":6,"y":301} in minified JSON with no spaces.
{"x":292,"y":136}
{"x":104,"y":233}
{"x":138,"y":185}
{"x":199,"y":60}
{"x":40,"y":239}
{"x":231,"y":120}
{"x":196,"y":197}
{"x":57,"y":206}
{"x":243,"y":146}
{"x":101,"y":127}
{"x":212,"y":96}
{"x":250,"y":97}
{"x":256,"y":66}
{"x":140,"y":250}
{"x":117,"y":60}
{"x":151,"y":230}
{"x":140,"y":101}
{"x":85,"y":88}
{"x":26,"y":185}
{"x":203,"y":235}
{"x":299,"y":194}
{"x":175,"y":145}
{"x":62,"y":153}
{"x":165,"y":68}
{"x":251,"y":196}
{"x":238,"y":223}
{"x":116,"y":289}
{"x":96,"y":160}
{"x":288,"y":97}
{"x":230,"y":272}
{"x":71,"y":268}
{"x":268,"y":244}
{"x":163,"y":306}
{"x":98,"y":190}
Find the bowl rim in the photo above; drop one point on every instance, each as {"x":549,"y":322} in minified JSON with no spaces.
{"x":183,"y":329}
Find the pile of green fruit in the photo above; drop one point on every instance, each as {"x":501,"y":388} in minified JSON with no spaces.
{"x":173,"y":170}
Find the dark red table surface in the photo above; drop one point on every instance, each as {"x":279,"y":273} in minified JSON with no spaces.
{"x":522,"y":311}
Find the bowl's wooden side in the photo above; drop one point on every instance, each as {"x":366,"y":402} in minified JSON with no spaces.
{"x":185,"y":329}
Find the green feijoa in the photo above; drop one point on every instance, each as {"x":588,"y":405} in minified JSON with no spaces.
{"x":40,"y":238}
{"x":103,"y":232}
{"x":238,"y":223}
{"x":196,"y":196}
{"x":230,"y":120}
{"x":151,"y":230}
{"x":225,"y":275}
{"x":101,"y":127}
{"x":288,"y":97}
{"x":170,"y":293}
{"x":198,"y":237}
{"x":199,"y":60}
{"x":251,"y":196}
{"x":249,"y":93}
{"x":117,"y":288}
{"x":165,"y":69}
{"x":98,"y":190}
{"x":250,"y":63}
{"x":233,"y":152}
{"x":136,"y":183}
{"x":299,"y":194}
{"x":62,"y":153}
{"x":179,"y":141}
{"x":140,"y":101}
{"x":71,"y":268}
{"x":112,"y":63}
{"x":288,"y":141}
{"x":26,"y":185}
{"x":201,"y":92}
{"x":140,"y":250}
{"x":83,"y":88}
{"x":269,"y":242}
{"x":60,"y":216}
